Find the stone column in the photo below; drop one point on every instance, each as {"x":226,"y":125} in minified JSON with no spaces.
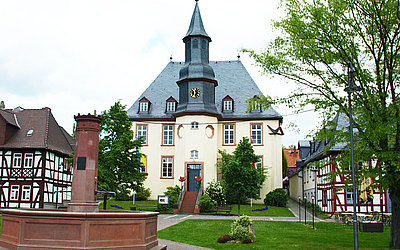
{"x":84,"y":182}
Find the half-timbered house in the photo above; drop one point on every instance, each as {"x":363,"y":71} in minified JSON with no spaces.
{"x":33,"y":159}
{"x":314,"y":178}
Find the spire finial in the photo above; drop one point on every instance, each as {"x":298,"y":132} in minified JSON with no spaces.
{"x":238,"y":56}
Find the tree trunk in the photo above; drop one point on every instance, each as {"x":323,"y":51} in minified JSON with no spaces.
{"x":239,"y":206}
{"x":395,"y":227}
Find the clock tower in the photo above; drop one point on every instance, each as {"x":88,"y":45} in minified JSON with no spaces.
{"x":196,"y":78}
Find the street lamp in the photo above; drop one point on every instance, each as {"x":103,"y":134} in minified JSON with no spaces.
{"x":299,"y":210}
{"x":312,"y":198}
{"x":351,"y":88}
{"x":315,"y":169}
{"x":305,"y":210}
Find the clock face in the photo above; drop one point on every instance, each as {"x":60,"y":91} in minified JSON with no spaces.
{"x":195,"y":92}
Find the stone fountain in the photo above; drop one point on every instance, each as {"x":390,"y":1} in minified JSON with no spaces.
{"x":82,"y":225}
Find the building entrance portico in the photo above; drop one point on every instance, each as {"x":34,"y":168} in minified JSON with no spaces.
{"x":193,"y":170}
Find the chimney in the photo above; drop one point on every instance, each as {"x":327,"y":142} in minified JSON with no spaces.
{"x":2,"y":106}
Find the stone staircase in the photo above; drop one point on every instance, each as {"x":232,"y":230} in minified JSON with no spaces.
{"x":188,"y":203}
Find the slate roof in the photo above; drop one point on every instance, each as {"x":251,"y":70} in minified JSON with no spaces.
{"x":196,"y":27}
{"x":47,"y":134}
{"x":341,"y":123}
{"x":233,"y":80}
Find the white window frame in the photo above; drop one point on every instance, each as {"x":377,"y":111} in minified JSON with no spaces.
{"x":168,"y":134}
{"x":144,"y":106}
{"x":194,"y":154}
{"x":14,"y":192}
{"x":28,"y":162}
{"x":228,"y":105}
{"x":167,"y":167}
{"x":256,"y":133}
{"x":26,"y":193}
{"x":171,"y":106}
{"x":17,"y":161}
{"x":349,"y":196}
{"x":229,"y":134}
{"x":141,"y":131}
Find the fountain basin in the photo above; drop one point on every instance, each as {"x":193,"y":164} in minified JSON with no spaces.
{"x":59,"y":229}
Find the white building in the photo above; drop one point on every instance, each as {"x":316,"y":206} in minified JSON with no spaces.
{"x":193,"y":109}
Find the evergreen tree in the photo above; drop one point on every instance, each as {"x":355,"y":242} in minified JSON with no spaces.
{"x":119,"y":158}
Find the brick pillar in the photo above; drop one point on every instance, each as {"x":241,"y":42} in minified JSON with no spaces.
{"x":84,"y":182}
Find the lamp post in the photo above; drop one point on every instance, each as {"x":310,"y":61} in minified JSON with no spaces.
{"x":299,"y":210}
{"x":315,"y":169}
{"x":305,"y":210}
{"x":350,"y":89}
{"x":313,"y":200}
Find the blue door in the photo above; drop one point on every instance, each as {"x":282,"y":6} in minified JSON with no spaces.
{"x":193,"y":170}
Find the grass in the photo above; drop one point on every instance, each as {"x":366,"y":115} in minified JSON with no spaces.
{"x":126,"y":205}
{"x":272,"y":211}
{"x":275,"y":235}
{"x":244,"y":209}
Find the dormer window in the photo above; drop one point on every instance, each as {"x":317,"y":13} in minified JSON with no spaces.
{"x":171,"y":104}
{"x":255,"y":105}
{"x":144,"y":105}
{"x":227,"y":104}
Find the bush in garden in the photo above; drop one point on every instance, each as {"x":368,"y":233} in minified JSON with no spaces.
{"x":206,"y":204}
{"x":142,"y":194}
{"x":173,"y":193}
{"x":277,"y":198}
{"x":241,"y":229}
{"x":215,"y":192}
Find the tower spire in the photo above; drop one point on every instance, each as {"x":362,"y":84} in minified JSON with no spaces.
{"x":196,"y":27}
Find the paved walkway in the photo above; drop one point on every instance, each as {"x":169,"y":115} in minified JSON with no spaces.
{"x":167,"y":220}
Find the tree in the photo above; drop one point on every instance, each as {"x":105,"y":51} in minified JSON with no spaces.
{"x":240,"y":178}
{"x":119,"y":157}
{"x":284,"y":164}
{"x":319,"y":39}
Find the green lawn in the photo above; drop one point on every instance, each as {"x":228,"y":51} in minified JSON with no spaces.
{"x":272,"y":211}
{"x":244,"y":209}
{"x":275,"y":235}
{"x":126,"y":205}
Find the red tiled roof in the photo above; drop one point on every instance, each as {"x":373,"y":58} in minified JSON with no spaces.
{"x":46,"y":134}
{"x":292,"y":154}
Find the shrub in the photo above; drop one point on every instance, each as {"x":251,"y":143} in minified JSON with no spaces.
{"x":206,"y":204}
{"x":143,"y":194}
{"x":215,"y":192}
{"x":240,"y":229}
{"x":243,"y":220}
{"x":173,"y":193}
{"x":240,"y":233}
{"x":278,"y":198}
{"x":122,"y":195}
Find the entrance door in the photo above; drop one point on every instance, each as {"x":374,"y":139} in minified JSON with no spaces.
{"x":193,"y":170}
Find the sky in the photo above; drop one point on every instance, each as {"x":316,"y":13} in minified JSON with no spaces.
{"x":77,"y":56}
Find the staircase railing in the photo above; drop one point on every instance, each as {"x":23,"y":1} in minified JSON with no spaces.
{"x":198,"y":197}
{"x":181,"y":196}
